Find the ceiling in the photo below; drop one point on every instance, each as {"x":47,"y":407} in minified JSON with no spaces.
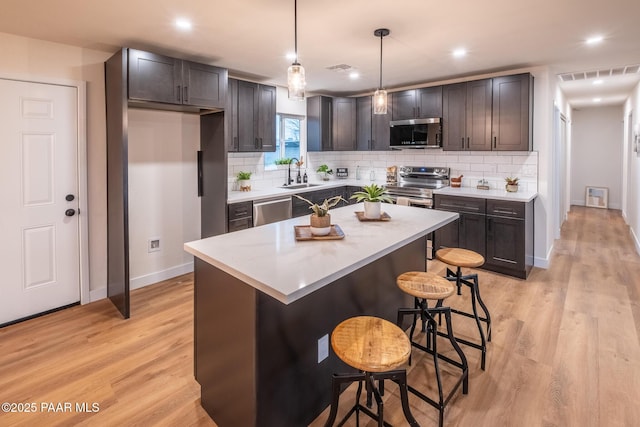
{"x":251,"y":37}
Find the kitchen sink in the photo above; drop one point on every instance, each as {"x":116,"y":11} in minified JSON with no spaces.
{"x":298,"y":186}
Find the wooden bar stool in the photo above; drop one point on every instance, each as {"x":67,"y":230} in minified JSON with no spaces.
{"x":377,"y":348}
{"x":426,"y":286}
{"x":459,"y":258}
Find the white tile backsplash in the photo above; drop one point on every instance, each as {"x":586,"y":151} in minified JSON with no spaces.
{"x":492,"y":166}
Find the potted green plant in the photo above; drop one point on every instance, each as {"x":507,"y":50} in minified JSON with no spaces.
{"x":320,"y":220}
{"x":244,"y":180}
{"x":324,"y":171}
{"x":284,"y":161}
{"x":373,"y":196}
{"x":512,"y":184}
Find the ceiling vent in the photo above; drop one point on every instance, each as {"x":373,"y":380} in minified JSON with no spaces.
{"x":608,"y":72}
{"x":340,"y":68}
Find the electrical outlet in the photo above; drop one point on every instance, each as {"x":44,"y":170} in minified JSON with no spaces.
{"x":153,"y":244}
{"x":323,"y":348}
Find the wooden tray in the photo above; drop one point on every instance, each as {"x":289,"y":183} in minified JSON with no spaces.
{"x":383,"y":217}
{"x":303,"y":232}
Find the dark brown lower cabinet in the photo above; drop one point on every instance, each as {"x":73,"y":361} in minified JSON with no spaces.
{"x":510,"y":230}
{"x":501,"y":231}
{"x":240,"y":216}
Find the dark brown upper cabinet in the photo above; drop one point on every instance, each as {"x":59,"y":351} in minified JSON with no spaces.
{"x":491,"y":114}
{"x":231,"y":117}
{"x":319,"y":123}
{"x":344,"y":124}
{"x":417,"y":103}
{"x":372,"y":130}
{"x":512,"y":119}
{"x":162,"y":79}
{"x":256,"y":117}
{"x":466,"y":116}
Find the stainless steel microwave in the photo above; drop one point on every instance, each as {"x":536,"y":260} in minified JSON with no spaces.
{"x":416,"y":133}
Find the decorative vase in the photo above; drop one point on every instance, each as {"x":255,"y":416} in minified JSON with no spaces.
{"x":320,"y":225}
{"x":325,"y":176}
{"x":244,"y":184}
{"x":511,"y":188}
{"x":372,"y":210}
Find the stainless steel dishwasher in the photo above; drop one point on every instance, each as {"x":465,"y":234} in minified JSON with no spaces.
{"x":271,"y":210}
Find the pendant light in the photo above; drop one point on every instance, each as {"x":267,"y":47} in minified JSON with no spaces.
{"x":380,"y":95}
{"x":295,"y":74}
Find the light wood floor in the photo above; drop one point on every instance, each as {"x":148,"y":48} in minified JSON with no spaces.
{"x":565,"y":349}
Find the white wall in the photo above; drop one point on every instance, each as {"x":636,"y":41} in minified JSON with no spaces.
{"x":596,"y":153}
{"x":631,"y":211}
{"x":24,"y":57}
{"x":163,"y":199}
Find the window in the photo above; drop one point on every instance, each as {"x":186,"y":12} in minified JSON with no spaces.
{"x":287,"y":140}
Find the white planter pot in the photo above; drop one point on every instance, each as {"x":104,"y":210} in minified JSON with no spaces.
{"x":372,"y":210}
{"x":244,"y":184}
{"x":320,"y":226}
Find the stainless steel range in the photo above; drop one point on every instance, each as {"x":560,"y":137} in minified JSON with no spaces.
{"x":416,"y":183}
{"x":415,"y":188}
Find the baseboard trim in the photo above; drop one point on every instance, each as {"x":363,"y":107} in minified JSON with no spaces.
{"x":159,"y":276}
{"x":636,"y":240}
{"x":147,"y":279}
{"x":543,"y":262}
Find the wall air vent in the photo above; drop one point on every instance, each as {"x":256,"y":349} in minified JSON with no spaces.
{"x":595,"y":74}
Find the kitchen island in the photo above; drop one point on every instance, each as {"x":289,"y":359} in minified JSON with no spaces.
{"x":265,"y":305}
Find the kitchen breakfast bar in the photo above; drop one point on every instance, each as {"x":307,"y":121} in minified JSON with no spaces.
{"x":265,"y":305}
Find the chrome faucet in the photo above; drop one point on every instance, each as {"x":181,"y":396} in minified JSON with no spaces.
{"x":289,"y":179}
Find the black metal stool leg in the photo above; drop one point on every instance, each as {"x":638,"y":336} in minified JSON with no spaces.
{"x":483,"y":342}
{"x":336,"y":382}
{"x":487,"y":316}
{"x":404,"y":399}
{"x":456,"y":347}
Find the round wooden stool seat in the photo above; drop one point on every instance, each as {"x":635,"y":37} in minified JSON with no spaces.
{"x":425,"y":285}
{"x":460,"y":257}
{"x":370,"y":344}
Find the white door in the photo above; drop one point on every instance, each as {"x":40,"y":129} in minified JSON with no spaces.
{"x":39,"y":227}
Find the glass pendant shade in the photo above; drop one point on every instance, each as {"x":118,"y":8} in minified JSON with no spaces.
{"x":296,"y":81}
{"x":380,"y":95}
{"x":380,"y":102}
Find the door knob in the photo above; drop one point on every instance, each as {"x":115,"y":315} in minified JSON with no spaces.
{"x":69,"y":197}
{"x":70,"y":212}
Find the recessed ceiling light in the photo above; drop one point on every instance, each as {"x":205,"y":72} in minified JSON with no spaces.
{"x":595,"y":39}
{"x":459,"y":53}
{"x":598,"y":82}
{"x":354,"y":75}
{"x":597,"y":99}
{"x":183,"y":24}
{"x":291,"y":56}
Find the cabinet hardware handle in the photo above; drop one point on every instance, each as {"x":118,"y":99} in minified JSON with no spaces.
{"x":489,"y":225}
{"x":235,"y":142}
{"x":495,"y":141}
{"x":255,"y":143}
{"x":199,"y":173}
{"x":418,"y":110}
{"x":261,"y":143}
{"x":178,"y":93}
{"x":186,"y":95}
{"x":467,"y":143}
{"x":462,"y":142}
{"x":414,"y":111}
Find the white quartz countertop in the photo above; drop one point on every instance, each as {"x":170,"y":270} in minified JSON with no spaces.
{"x":267,"y":193}
{"x":519,"y":196}
{"x":271,"y":260}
